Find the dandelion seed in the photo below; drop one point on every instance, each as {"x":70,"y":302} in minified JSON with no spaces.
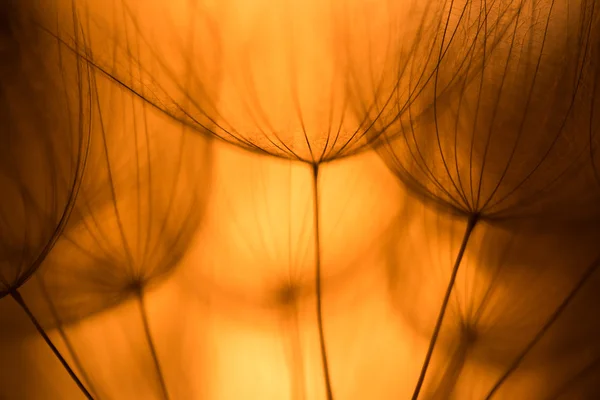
{"x":44,"y":150}
{"x":511,"y":140}
{"x":270,"y":77}
{"x":483,"y":108}
{"x":255,"y":268}
{"x":264,"y":76}
{"x":518,"y":294}
{"x":511,"y":124}
{"x":139,"y":208}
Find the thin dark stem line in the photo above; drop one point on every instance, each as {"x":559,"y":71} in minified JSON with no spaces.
{"x":59,"y":326}
{"x":324,"y":361}
{"x":546,"y":327}
{"x":570,"y":384}
{"x":17,"y":297}
{"x":449,"y":380}
{"x":438,"y":325}
{"x":150,"y":341}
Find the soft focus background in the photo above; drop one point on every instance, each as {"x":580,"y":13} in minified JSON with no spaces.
{"x":235,"y":316}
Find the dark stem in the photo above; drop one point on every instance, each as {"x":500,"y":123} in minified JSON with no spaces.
{"x":63,"y":335}
{"x":318,"y":283}
{"x":438,"y":325}
{"x":161,"y":379}
{"x":17,"y":297}
{"x":563,"y":391}
{"x":546,"y":327}
{"x":447,"y":384}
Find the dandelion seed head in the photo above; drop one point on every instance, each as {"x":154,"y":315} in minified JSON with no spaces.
{"x":42,"y":155}
{"x":139,"y":208}
{"x":272,"y":78}
{"x":511,"y":116}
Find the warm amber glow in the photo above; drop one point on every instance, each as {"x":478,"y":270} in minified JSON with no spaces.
{"x":230,"y":302}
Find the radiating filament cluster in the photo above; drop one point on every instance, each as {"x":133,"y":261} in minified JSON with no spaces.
{"x":303,"y":200}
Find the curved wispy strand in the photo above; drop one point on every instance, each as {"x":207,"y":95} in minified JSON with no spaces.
{"x":255,"y":266}
{"x":513,"y":134}
{"x":44,"y":109}
{"x":139,"y":208}
{"x":270,"y":77}
{"x":521,"y":304}
{"x":511,"y":123}
{"x":45,"y":135}
{"x":255,"y":270}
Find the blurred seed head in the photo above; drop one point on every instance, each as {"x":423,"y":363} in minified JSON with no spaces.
{"x":256,"y":256}
{"x":43,"y":121}
{"x":509,"y":285}
{"x":139,"y":209}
